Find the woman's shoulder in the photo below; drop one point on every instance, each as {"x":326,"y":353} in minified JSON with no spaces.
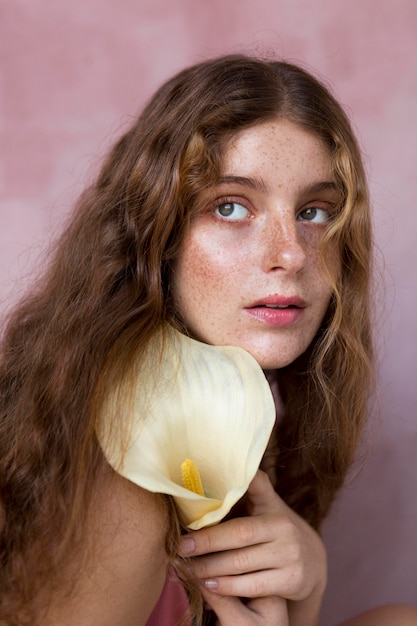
{"x":132,"y":517}
{"x":124,"y":570}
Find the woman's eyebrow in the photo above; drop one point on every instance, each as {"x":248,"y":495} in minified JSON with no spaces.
{"x":253,"y":182}
{"x":258,"y":184}
{"x":321,"y":186}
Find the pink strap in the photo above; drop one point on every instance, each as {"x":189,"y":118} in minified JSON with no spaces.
{"x":171,"y":605}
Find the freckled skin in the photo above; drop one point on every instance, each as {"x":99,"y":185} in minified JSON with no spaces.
{"x":267,"y":248}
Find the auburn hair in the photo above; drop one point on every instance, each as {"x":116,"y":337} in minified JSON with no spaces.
{"x":106,"y":291}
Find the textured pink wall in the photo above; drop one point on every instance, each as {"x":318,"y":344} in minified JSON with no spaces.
{"x":73,"y":73}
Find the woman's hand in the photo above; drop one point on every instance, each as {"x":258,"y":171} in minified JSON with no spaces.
{"x":270,"y":554}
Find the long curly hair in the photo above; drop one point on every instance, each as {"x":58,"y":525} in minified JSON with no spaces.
{"x":106,"y":292}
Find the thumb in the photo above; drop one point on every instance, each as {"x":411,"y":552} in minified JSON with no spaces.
{"x":267,"y":611}
{"x":228,"y":609}
{"x":261,"y":497}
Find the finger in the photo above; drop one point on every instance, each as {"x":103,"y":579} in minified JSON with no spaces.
{"x":271,"y":611}
{"x":260,"y":584}
{"x":262,"y":556}
{"x":235,"y":533}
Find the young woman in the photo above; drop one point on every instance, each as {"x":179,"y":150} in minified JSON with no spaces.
{"x":235,"y":209}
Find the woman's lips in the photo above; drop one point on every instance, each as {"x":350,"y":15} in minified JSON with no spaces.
{"x":278,"y":310}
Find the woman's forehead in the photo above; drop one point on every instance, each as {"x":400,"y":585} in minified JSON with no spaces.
{"x":277,"y":146}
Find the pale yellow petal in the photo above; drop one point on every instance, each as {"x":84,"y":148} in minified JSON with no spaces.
{"x":210,"y":404}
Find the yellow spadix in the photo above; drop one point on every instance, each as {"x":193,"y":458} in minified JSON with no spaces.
{"x":197,"y":427}
{"x":191,"y":478}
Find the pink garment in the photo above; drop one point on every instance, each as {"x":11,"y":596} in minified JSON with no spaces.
{"x":172,"y":604}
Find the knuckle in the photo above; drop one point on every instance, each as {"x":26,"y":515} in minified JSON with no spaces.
{"x":297,"y":566}
{"x":261,"y":588}
{"x":295,"y":554}
{"x":290,"y":530}
{"x":204,"y":542}
{"x":244,"y":531}
{"x":241,"y":562}
{"x":296,"y":588}
{"x":298,"y":576}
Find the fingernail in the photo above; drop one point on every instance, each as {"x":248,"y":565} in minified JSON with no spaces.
{"x":187,"y":545}
{"x":211,"y":583}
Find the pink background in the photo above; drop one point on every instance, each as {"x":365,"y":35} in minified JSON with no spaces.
{"x":72,"y":75}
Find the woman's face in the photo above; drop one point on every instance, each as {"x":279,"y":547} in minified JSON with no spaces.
{"x":249,"y":272}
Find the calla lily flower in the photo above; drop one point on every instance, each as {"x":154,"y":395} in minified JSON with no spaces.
{"x":202,"y":417}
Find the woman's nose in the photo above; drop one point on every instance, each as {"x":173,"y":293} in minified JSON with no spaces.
{"x":284,"y":249}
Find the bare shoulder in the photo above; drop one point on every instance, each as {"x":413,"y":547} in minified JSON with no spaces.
{"x":129,"y":522}
{"x":121,"y":575}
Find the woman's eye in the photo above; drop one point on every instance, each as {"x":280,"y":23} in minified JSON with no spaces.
{"x":232,"y":211}
{"x":313,"y":214}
